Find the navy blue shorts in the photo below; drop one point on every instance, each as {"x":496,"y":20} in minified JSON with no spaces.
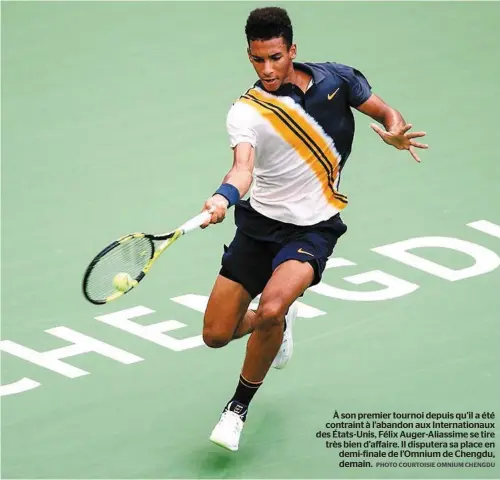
{"x":261,"y":244}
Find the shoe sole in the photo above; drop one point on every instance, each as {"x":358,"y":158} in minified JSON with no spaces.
{"x":220,"y":443}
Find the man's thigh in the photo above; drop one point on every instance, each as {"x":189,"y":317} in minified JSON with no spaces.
{"x":312,"y":246}
{"x":246,"y":268}
{"x":248,"y":262}
{"x":226,"y":307}
{"x":287,"y":283}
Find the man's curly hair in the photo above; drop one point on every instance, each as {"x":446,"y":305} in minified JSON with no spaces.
{"x":269,"y":22}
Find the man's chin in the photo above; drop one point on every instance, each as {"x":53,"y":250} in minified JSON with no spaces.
{"x":271,"y":86}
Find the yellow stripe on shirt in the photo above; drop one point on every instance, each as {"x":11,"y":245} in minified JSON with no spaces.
{"x":308,"y":143}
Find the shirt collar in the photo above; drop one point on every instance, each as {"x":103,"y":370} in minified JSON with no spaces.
{"x":287,"y":88}
{"x":317,"y":75}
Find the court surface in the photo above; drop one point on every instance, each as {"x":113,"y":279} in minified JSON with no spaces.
{"x":113,"y":120}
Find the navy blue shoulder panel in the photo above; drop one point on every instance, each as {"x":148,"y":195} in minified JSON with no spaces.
{"x":337,"y":89}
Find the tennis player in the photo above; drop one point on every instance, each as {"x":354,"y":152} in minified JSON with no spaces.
{"x":291,"y":133}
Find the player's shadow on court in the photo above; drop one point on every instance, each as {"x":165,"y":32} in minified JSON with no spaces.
{"x":217,"y":463}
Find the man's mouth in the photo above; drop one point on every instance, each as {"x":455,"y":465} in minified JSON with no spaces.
{"x":270,"y":81}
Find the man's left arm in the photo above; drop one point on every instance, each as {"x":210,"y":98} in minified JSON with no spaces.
{"x":396,"y":129}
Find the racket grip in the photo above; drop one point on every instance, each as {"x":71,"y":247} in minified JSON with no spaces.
{"x":195,"y":222}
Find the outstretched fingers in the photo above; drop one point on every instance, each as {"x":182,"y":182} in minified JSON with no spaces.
{"x":377,"y":129}
{"x":407,"y":127}
{"x":416,"y":134}
{"x":418,"y":145}
{"x":414,"y":154}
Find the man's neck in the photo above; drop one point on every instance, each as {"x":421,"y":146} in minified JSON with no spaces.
{"x":299,"y":78}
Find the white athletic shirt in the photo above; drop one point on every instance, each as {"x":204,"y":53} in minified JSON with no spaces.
{"x":291,"y":184}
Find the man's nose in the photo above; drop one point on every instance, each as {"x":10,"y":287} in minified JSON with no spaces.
{"x":268,"y":69}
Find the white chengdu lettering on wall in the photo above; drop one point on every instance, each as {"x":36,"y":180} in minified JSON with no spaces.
{"x":388,"y":287}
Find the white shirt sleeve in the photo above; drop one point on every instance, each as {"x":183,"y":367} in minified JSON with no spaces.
{"x":240,"y":125}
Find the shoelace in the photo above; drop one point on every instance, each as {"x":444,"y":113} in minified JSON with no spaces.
{"x":236,"y":427}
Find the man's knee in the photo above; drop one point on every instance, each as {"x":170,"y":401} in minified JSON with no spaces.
{"x":214,"y":337}
{"x":271,"y":314}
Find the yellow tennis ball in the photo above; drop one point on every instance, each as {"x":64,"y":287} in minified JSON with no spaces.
{"x":122,"y":281}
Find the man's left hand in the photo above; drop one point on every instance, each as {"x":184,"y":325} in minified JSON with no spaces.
{"x":402,"y":139}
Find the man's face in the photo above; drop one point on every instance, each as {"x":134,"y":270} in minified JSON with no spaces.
{"x":272,"y":60}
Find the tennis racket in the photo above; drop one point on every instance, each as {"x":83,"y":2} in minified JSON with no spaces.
{"x":131,"y":256}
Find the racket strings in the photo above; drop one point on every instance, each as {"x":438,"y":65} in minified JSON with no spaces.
{"x":129,"y":257}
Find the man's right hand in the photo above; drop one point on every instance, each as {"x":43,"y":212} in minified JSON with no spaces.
{"x":217,"y":205}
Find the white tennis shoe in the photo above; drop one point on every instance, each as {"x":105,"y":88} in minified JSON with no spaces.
{"x":286,"y":349}
{"x":227,"y":432}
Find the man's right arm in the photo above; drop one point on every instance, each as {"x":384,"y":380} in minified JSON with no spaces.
{"x":240,"y":124}
{"x":241,"y":173}
{"x":240,"y":177}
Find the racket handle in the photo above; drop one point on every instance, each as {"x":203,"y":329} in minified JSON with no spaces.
{"x":195,"y":222}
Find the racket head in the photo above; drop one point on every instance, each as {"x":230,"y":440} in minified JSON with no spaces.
{"x":132,"y":254}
